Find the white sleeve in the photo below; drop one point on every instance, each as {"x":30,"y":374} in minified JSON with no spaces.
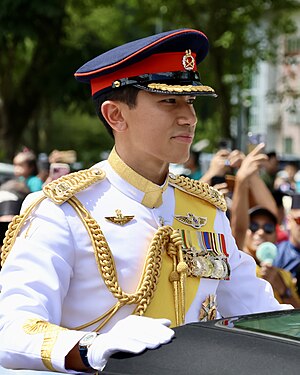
{"x":34,"y":280}
{"x":244,"y":293}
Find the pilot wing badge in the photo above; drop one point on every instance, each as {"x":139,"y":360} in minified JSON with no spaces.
{"x":119,"y":219}
{"x":192,"y":220}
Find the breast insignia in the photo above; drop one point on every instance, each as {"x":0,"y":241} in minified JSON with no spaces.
{"x":119,"y":219}
{"x":192,"y":220}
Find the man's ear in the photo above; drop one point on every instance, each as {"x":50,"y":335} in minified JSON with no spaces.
{"x":112,"y":112}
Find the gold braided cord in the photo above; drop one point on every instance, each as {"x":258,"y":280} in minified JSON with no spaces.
{"x":180,"y":88}
{"x":174,"y":280}
{"x":14,"y":227}
{"x":165,"y":239}
{"x":162,"y":241}
{"x":199,"y":189}
{"x":108,"y":314}
{"x":62,"y":189}
{"x":178,"y":275}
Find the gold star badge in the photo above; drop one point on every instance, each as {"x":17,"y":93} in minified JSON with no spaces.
{"x":119,"y":219}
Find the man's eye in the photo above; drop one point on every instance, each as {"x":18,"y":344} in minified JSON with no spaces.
{"x":170,"y":100}
{"x":191,"y":100}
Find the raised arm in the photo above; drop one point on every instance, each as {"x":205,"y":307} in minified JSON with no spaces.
{"x":247,"y":180}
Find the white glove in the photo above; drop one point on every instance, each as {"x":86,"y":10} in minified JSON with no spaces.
{"x":132,"y":334}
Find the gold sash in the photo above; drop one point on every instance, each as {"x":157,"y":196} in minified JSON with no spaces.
{"x":162,"y":304}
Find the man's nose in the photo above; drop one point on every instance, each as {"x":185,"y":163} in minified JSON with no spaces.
{"x":187,"y":116}
{"x":260,"y":232}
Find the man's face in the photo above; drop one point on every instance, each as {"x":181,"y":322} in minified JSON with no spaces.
{"x":160,"y":128}
{"x":261,"y":229}
{"x":294,"y":226}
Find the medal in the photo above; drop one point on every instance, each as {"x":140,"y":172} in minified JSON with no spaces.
{"x":208,"y":309}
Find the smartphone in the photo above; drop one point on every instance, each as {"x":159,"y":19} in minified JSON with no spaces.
{"x":254,"y":139}
{"x":225,"y":144}
{"x":216,"y":180}
{"x":230,"y":180}
{"x":58,"y":170}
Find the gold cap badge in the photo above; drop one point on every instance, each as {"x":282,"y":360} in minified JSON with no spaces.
{"x":188,"y":60}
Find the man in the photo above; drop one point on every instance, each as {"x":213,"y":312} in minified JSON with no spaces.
{"x":270,"y":170}
{"x":125,"y":239}
{"x":288,"y":256}
{"x":193,"y":165}
{"x":262,"y":232}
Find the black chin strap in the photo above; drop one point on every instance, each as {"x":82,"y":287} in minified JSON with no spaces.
{"x":185,"y":77}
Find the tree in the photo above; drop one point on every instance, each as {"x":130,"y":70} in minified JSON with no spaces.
{"x":43,"y":43}
{"x":30,"y":32}
{"x":241,"y":33}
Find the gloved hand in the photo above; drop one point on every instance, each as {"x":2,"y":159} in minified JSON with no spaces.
{"x":132,"y":334}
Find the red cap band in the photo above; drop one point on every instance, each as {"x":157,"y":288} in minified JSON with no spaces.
{"x":157,"y":63}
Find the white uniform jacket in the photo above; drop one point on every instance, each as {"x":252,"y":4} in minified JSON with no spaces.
{"x":52,"y":287}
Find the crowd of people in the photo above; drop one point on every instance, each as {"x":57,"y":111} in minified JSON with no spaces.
{"x":263,"y":207}
{"x":114,"y":257}
{"x":31,"y":173}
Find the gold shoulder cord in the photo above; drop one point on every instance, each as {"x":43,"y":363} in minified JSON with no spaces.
{"x":199,"y":189}
{"x":166,"y":238}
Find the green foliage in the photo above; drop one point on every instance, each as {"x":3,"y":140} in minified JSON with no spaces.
{"x":43,"y":43}
{"x":71,"y":129}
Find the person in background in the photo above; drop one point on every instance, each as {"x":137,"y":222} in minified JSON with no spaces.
{"x":254,"y":220}
{"x":262,"y":230}
{"x":26,"y":169}
{"x":249,"y":190}
{"x":43,"y":166}
{"x":285,"y":179}
{"x":281,"y":231}
{"x":12,"y":195}
{"x":269,"y":172}
{"x":124,"y":251}
{"x":288,"y":256}
{"x":220,"y":165}
{"x":193,"y":165}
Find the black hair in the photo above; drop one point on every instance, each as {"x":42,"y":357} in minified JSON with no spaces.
{"x":278,"y":196}
{"x":196,"y":156}
{"x":272,"y":154}
{"x":127,"y":95}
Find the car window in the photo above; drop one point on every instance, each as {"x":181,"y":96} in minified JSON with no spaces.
{"x":285,"y":324}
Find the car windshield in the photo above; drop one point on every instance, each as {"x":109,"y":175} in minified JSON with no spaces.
{"x":285,"y":324}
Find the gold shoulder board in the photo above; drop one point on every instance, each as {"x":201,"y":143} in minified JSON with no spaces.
{"x":199,"y":189}
{"x":62,"y":189}
{"x":59,"y":191}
